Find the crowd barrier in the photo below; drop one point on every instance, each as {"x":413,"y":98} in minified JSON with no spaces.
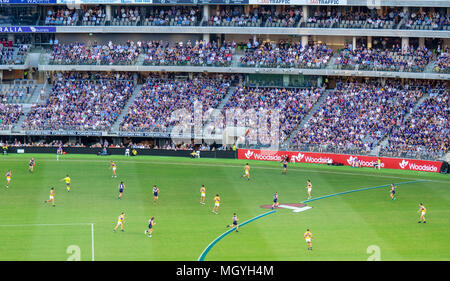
{"x":343,"y":159}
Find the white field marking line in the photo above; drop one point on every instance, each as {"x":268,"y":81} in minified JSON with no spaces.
{"x":255,"y":167}
{"x":295,"y":209}
{"x":92,"y":241}
{"x":58,"y":224}
{"x":45,"y":224}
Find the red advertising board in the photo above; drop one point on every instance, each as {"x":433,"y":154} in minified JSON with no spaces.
{"x":345,"y":159}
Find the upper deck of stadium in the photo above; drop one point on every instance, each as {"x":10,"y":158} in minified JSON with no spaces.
{"x":302,"y":17}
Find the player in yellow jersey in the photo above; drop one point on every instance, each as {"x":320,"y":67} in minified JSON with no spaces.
{"x":120,"y":222}
{"x":246,"y":172}
{"x":67,"y":180}
{"x":52,"y":197}
{"x":113,"y":168}
{"x":216,"y":204}
{"x":8,"y":178}
{"x":202,"y":194}
{"x":309,"y":188}
{"x":308,"y":238}
{"x":422,"y":211}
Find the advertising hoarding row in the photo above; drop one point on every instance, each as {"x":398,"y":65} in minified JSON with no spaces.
{"x":344,"y":159}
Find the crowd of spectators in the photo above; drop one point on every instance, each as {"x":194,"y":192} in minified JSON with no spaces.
{"x":355,"y":117}
{"x":95,"y":53}
{"x":395,"y":59}
{"x":126,"y":16}
{"x":426,"y":20}
{"x":443,"y":62}
{"x":60,"y":15}
{"x":73,"y":75}
{"x":93,"y":16}
{"x":158,"y":99}
{"x":179,"y":15}
{"x":286,"y":55}
{"x":80,"y":105}
{"x":351,"y":18}
{"x":13,"y":54}
{"x":252,"y":107}
{"x":9,"y":115}
{"x":188,"y":53}
{"x":257,"y":17}
{"x":426,"y":133}
{"x":362,"y":17}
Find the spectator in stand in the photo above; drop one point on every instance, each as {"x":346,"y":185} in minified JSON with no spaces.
{"x":61,"y":16}
{"x":159,"y":98}
{"x":428,"y":20}
{"x":355,"y":117}
{"x":426,"y":133}
{"x":443,"y":62}
{"x":87,"y":53}
{"x":13,"y":54}
{"x":395,"y":59}
{"x":260,"y":16}
{"x":9,"y":115}
{"x":193,"y":53}
{"x":175,"y":15}
{"x":80,"y":105}
{"x":286,"y":55}
{"x":292,"y":104}
{"x":93,"y":15}
{"x":126,"y":16}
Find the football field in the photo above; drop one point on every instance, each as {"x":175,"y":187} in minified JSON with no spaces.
{"x":352,"y":215}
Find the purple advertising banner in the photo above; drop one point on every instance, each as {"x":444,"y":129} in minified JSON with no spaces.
{"x":27,"y":29}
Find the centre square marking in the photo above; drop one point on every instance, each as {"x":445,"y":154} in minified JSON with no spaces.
{"x":295,"y":207}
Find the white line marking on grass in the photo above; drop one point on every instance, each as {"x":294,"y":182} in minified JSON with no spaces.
{"x":295,"y":209}
{"x":58,"y":224}
{"x":45,"y":224}
{"x":92,"y":239}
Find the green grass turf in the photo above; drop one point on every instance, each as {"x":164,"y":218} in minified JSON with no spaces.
{"x":343,"y":226}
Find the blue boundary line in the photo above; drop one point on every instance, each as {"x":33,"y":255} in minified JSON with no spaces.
{"x":205,"y":252}
{"x":361,"y":189}
{"x":209,"y":247}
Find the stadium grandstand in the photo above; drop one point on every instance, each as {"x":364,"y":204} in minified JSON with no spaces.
{"x":344,"y":76}
{"x":225,"y":130}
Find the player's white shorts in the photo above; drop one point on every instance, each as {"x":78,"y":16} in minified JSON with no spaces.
{"x":217,"y":205}
{"x":423,"y":213}
{"x":203,"y":195}
{"x":309,"y":189}
{"x":114,"y":169}
{"x":119,"y":223}
{"x":51,"y":197}
{"x":246,"y":173}
{"x":308,"y":239}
